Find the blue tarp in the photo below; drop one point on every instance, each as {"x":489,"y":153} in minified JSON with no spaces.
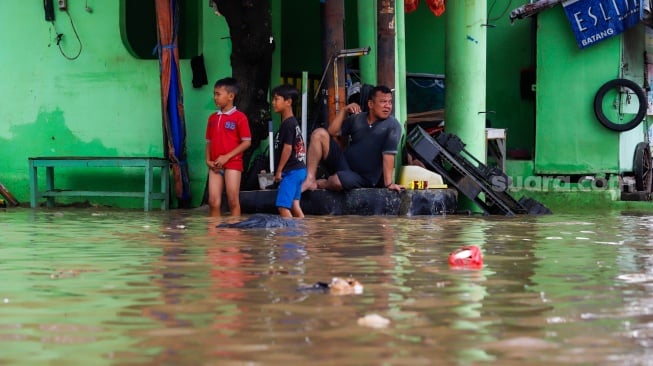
{"x":174,"y":124}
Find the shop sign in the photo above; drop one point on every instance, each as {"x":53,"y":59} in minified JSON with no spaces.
{"x":596,"y":20}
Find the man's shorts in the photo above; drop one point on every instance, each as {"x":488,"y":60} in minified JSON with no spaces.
{"x":290,"y":188}
{"x":336,"y":163}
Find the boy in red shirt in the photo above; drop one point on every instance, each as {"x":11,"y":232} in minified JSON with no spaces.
{"x":227,"y":137}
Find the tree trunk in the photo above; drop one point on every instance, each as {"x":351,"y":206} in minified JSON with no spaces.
{"x":250,"y":27}
{"x":333,"y":41}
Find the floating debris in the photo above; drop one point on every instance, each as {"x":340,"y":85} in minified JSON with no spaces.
{"x":337,"y":286}
{"x":69,"y":273}
{"x":468,"y":256}
{"x":374,"y":321}
{"x":262,"y":221}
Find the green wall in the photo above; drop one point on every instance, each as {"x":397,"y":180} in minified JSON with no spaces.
{"x":302,"y":44}
{"x":509,"y":50}
{"x":424,"y":41}
{"x":569,"y":138}
{"x":105,"y":102}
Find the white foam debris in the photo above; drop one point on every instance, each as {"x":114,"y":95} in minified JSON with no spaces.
{"x":373,"y":321}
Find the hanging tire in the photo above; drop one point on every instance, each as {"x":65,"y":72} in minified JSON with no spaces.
{"x":619,"y":84}
{"x":642,"y":167}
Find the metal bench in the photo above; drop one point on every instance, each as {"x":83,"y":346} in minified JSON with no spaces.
{"x":50,"y":192}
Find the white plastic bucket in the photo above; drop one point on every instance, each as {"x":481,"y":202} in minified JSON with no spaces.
{"x":265,"y":179}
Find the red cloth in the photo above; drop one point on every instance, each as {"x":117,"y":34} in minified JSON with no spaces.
{"x":410,"y":6}
{"x":436,"y":6}
{"x":224,"y":132}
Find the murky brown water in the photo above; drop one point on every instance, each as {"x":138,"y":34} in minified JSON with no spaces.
{"x":82,"y":287}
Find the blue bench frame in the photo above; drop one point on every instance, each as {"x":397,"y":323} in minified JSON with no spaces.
{"x":50,"y":192}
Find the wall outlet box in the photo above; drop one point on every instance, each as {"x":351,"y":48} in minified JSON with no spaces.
{"x":63,"y":4}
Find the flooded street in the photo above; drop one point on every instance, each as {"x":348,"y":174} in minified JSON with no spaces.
{"x":85,"y":286}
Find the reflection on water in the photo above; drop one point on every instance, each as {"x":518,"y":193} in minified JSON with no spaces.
{"x":130,"y":288}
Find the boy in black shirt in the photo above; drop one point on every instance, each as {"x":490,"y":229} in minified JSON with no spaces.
{"x":290,"y":153}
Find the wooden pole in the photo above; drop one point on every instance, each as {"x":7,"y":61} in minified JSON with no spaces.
{"x":333,"y":41}
{"x":386,"y":43}
{"x":8,"y":196}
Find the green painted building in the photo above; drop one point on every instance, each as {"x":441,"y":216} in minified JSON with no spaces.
{"x":95,"y":90}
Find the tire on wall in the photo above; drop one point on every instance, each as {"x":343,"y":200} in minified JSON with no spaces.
{"x":619,"y":84}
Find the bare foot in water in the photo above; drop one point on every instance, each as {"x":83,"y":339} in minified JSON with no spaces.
{"x":309,"y":184}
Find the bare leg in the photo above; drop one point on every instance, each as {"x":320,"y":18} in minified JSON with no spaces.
{"x":232,"y":183}
{"x":284,"y":212}
{"x":317,"y":151}
{"x":216,"y":187}
{"x":297,"y":209}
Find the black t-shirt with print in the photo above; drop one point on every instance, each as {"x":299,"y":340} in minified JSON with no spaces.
{"x":290,"y":134}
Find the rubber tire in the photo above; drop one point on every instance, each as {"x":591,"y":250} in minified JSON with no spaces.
{"x":617,"y":83}
{"x":642,"y":167}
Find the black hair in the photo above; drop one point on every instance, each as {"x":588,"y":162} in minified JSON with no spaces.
{"x":379,"y":89}
{"x":229,"y":83}
{"x":287,"y":91}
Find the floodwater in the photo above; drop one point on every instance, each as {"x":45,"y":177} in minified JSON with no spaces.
{"x":105,"y":287}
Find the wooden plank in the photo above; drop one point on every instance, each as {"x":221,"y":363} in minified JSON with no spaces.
{"x":86,"y":158}
{"x":8,"y":196}
{"x":83,"y":162}
{"x":428,"y":116}
{"x":74,"y":193}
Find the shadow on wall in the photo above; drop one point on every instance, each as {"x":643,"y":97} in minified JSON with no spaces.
{"x":47,"y":136}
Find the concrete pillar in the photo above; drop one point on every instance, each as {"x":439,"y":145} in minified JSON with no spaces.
{"x":465,"y":71}
{"x":400,"y":105}
{"x":400,"y":64}
{"x":367,"y":37}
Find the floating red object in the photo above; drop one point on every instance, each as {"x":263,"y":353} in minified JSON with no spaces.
{"x":410,"y":6}
{"x":468,"y":256}
{"x":436,"y":6}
